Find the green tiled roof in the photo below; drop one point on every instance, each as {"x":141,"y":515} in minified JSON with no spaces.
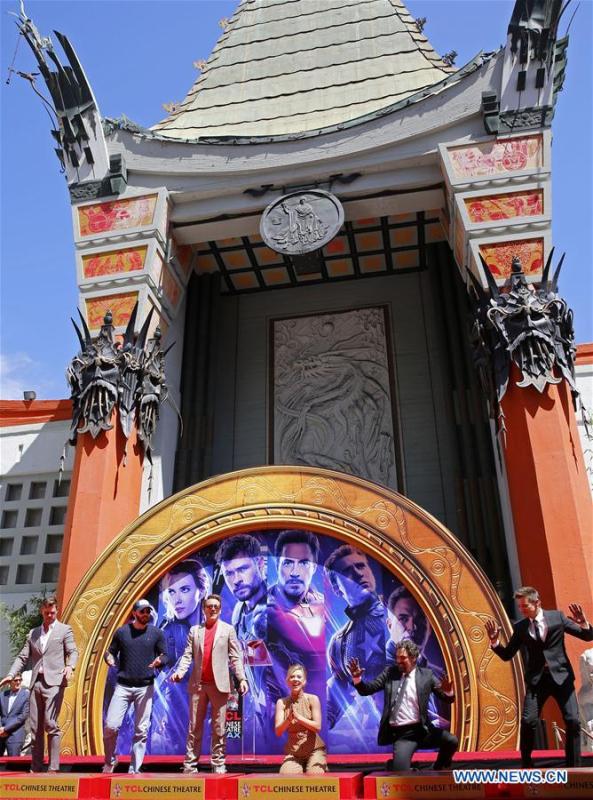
{"x":292,"y":66}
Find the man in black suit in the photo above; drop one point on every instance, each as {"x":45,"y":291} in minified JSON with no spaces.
{"x":405,"y":723}
{"x":14,"y":710}
{"x":548,"y":672}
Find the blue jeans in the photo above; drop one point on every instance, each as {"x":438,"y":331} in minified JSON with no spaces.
{"x":123,"y":697}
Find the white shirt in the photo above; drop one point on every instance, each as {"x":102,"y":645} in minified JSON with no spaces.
{"x":540,"y":621}
{"x":541,"y":624}
{"x":11,"y":699}
{"x":409,"y":711}
{"x":45,"y":635}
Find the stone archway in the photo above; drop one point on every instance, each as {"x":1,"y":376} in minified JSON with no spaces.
{"x":453,"y":591}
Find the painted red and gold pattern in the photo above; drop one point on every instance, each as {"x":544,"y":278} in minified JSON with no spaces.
{"x":459,"y":244}
{"x":184,"y":255}
{"x":129,"y":260}
{"x":116,"y":215}
{"x":170,"y":286}
{"x":504,"y":155}
{"x":505,"y":206}
{"x":121,"y":306}
{"x":499,"y":256}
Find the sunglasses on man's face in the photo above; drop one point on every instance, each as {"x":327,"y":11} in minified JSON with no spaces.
{"x":143,"y":611}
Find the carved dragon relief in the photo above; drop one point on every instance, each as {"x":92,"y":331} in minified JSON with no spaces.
{"x":332,"y":397}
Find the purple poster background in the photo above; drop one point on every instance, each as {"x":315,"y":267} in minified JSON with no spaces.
{"x":293,"y":597}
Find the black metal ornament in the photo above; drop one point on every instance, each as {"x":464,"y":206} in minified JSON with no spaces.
{"x":529,"y":325}
{"x":105,"y":375}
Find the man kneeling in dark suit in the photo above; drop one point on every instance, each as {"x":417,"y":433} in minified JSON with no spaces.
{"x":405,"y":722}
{"x":548,"y":672}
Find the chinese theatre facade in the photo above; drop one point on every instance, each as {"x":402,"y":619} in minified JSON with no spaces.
{"x":311,"y":230}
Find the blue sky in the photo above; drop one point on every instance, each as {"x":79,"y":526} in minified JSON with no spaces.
{"x":138,"y":55}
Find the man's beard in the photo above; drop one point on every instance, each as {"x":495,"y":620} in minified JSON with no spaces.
{"x":295,"y":590}
{"x":253,"y":590}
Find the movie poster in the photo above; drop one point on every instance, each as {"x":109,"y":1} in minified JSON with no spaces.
{"x":293,"y":596}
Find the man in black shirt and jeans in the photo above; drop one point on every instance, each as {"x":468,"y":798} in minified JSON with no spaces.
{"x":140,"y":649}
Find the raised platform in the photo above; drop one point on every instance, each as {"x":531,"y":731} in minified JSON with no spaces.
{"x":81,"y":779}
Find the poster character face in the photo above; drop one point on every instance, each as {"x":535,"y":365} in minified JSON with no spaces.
{"x":296,"y":569}
{"x":406,"y":620}
{"x":243,"y":576}
{"x":182,"y":595}
{"x":182,"y":589}
{"x":354,"y":578}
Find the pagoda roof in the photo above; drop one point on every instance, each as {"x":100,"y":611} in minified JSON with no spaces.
{"x":292,"y":67}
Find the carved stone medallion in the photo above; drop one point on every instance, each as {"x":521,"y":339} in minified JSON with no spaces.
{"x":301,"y":222}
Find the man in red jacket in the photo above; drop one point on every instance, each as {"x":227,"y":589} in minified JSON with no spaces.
{"x":212,"y":647}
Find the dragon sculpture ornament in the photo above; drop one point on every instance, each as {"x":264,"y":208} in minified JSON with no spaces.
{"x":528,"y":325}
{"x":106,"y":374}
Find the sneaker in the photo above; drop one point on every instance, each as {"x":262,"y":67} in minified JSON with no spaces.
{"x":133,"y":771}
{"x":190,"y":770}
{"x":109,"y":768}
{"x":220,"y":769}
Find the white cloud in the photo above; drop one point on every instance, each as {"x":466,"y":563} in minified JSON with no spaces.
{"x":20,"y":373}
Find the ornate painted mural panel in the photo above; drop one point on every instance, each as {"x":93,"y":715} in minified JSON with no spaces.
{"x":491,"y":158}
{"x":331,"y":402}
{"x":120,"y":305}
{"x":170,"y":286}
{"x":499,"y":256}
{"x":459,"y":245}
{"x":505,"y":206}
{"x":116,"y":215}
{"x":129,"y":260}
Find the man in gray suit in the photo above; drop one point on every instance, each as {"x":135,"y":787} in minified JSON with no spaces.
{"x":14,"y":710}
{"x":52,"y":654}
{"x":212,"y":647}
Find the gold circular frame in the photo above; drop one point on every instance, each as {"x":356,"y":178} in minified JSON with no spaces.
{"x":451,"y":588}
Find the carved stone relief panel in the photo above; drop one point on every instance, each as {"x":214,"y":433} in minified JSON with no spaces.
{"x":332,"y":402}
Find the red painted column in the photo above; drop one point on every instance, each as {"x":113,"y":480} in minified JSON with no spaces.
{"x":550,"y":499}
{"x":104,"y":498}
